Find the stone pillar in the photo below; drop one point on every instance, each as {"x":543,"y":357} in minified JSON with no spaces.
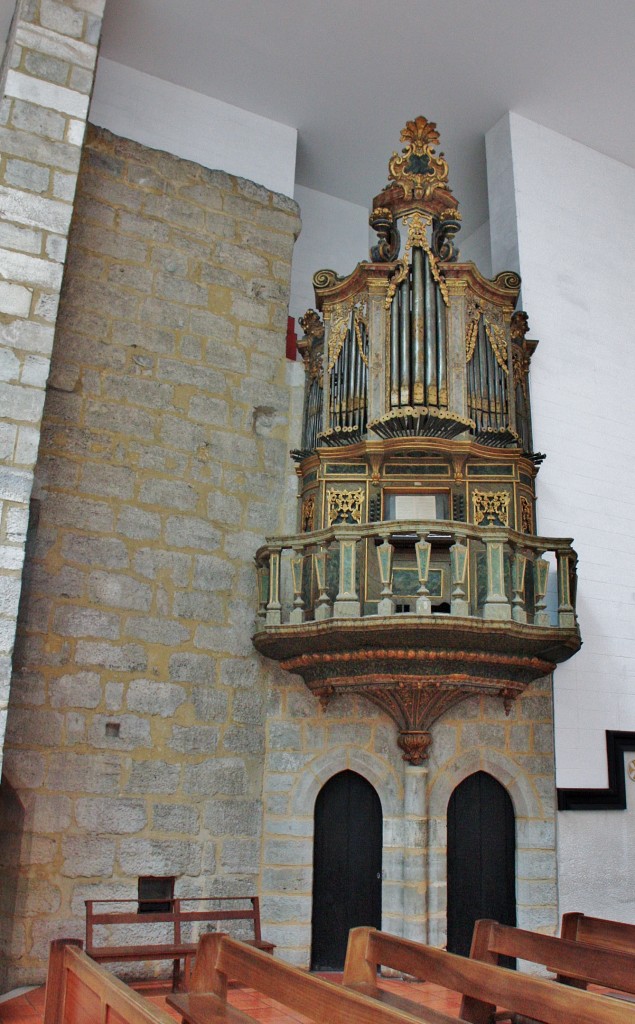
{"x":415,"y":853}
{"x":45,"y":84}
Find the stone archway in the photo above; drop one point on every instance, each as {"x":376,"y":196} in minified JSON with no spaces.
{"x":536,"y":870}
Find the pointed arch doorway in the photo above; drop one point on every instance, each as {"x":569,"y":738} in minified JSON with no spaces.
{"x":481,"y":858}
{"x":347,"y":850}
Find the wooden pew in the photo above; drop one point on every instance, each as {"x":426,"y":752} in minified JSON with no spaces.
{"x":79,"y":991}
{"x":220,"y":959}
{"x":574,"y":963}
{"x":484,"y":986}
{"x":183,"y":912}
{"x":596,"y":931}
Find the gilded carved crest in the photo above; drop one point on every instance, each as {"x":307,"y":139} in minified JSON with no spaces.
{"x":308,"y":514}
{"x":491,"y":505}
{"x":345,"y":506}
{"x":418,"y":170}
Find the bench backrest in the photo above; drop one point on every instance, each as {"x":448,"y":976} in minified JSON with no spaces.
{"x":483,"y":985}
{"x":208,"y":909}
{"x":79,"y":990}
{"x":572,"y":961}
{"x":221,"y":958}
{"x":597,"y":931}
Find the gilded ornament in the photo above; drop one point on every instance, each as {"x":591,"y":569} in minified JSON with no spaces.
{"x":308,"y":514}
{"x":417,"y":236}
{"x":345,"y":506}
{"x":400,"y":275}
{"x":419,"y":171}
{"x":491,"y":505}
{"x":497,"y":337}
{"x":526,"y":515}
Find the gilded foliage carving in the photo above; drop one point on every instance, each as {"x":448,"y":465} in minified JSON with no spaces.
{"x":308,"y":514}
{"x":345,"y":506}
{"x":491,"y":505}
{"x":526,"y":515}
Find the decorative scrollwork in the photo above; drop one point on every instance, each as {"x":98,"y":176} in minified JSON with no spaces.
{"x":445,"y":227}
{"x":340,"y":323}
{"x":417,"y":223}
{"x":345,"y":506}
{"x":491,"y":505}
{"x":310,"y":346}
{"x":419,"y":171}
{"x":400,"y":275}
{"x":325,"y":279}
{"x":508,"y":279}
{"x":382,"y":221}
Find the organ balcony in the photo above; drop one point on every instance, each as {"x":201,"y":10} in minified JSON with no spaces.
{"x":416,"y":576}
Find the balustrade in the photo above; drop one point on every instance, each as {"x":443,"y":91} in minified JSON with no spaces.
{"x":495,"y":573}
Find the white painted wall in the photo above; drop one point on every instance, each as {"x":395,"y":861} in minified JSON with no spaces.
{"x":188,"y":124}
{"x":477,"y":248}
{"x":334,"y":236}
{"x":575,"y":237}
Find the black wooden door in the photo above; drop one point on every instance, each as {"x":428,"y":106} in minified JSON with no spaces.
{"x":346,"y":866}
{"x":481,"y":858}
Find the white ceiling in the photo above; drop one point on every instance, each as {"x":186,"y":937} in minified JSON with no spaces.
{"x":348,"y":74}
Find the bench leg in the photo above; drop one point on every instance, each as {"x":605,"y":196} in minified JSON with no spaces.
{"x":176,"y":974}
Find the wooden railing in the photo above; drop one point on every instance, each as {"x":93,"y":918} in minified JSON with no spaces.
{"x":495,"y":573}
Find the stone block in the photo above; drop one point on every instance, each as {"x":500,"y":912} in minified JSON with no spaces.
{"x":153,"y":777}
{"x":124,"y":658}
{"x":77,"y":773}
{"x":154,"y":698}
{"x":169,"y":494}
{"x":240,"y":855}
{"x":78,"y":690}
{"x":157,"y":630}
{"x":209,"y":705}
{"x":34,"y":727}
{"x":116,"y":816}
{"x":220,"y":777}
{"x":108,"y":481}
{"x":244,"y":739}
{"x":133,"y":732}
{"x":289,"y":852}
{"x":73,"y":621}
{"x":49,"y":813}
{"x":119,"y":591}
{"x":213,"y":573}
{"x":248,"y":708}
{"x":138,"y":524}
{"x":180,"y":818}
{"x":159,"y":857}
{"x":287,"y":880}
{"x":190,"y":532}
{"x":35,"y":119}
{"x":192,"y":668}
{"x":194,"y":739}
{"x":61,"y":18}
{"x":25,"y":768}
{"x":194,"y":604}
{"x":234,"y":817}
{"x":22,"y":174}
{"x":87,"y":857}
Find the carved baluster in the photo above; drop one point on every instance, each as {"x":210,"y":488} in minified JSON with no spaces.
{"x":422,"y":550}
{"x":323,"y":604}
{"x":496,"y":605}
{"x":566,"y":611}
{"x":541,"y":578}
{"x":347,"y":603}
{"x":519,"y":570}
{"x":297,"y":563}
{"x":262,"y":572}
{"x":274,"y":608}
{"x":385,"y":552}
{"x":458,"y":560}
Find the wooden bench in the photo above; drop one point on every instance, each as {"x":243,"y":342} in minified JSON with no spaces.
{"x":596,"y":931}
{"x":221,"y":959}
{"x":484,"y":987}
{"x":177,"y":944}
{"x":574,"y":963}
{"x":79,"y":991}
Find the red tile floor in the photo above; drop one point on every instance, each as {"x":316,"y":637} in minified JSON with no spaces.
{"x":28,"y":1008}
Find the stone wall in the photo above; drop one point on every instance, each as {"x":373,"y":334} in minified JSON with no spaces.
{"x":136,"y":732}
{"x":45,"y":85}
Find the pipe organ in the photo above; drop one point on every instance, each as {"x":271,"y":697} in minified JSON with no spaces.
{"x":417,"y":577}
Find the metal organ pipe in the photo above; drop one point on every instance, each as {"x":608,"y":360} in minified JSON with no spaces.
{"x":431,"y":396}
{"x":404,"y":337}
{"x":419,"y":266}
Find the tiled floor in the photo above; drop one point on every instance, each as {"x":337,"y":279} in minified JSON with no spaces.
{"x":28,"y":1008}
